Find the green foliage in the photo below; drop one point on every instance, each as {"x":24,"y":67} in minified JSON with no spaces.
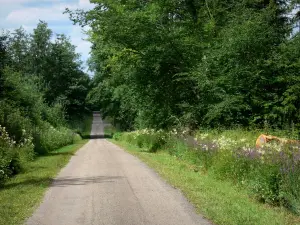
{"x":48,"y":138}
{"x":42,"y":86}
{"x":149,"y":140}
{"x":65,"y":82}
{"x":270,"y":175}
{"x":220,"y":201}
{"x":23,"y":108}
{"x":13,"y":156}
{"x":53,"y":66}
{"x":176,"y":147}
{"x":21,"y":194}
{"x":290,"y":190}
{"x":160,"y":64}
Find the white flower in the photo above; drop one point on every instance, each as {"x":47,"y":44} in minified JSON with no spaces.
{"x":203,"y":136}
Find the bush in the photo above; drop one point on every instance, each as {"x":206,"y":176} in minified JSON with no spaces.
{"x":55,"y":115}
{"x":117,"y":136}
{"x":12,"y":119}
{"x":176,"y":147}
{"x":23,"y":108}
{"x":13,"y":157}
{"x":48,"y":138}
{"x":150,"y":140}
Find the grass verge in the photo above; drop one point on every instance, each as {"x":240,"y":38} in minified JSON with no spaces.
{"x":22,"y":194}
{"x":219,"y":201}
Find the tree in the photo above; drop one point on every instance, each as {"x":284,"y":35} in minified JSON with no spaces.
{"x":19,"y":44}
{"x":169,"y":63}
{"x":40,"y":48}
{"x":3,"y":59}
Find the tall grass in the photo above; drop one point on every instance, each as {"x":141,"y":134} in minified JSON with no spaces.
{"x":270,"y":174}
{"x":39,"y":139}
{"x":48,"y":138}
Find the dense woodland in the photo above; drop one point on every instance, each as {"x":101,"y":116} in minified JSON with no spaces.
{"x":191,"y":63}
{"x":42,"y":88}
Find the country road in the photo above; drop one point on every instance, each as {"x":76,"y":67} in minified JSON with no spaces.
{"x":102,"y":184}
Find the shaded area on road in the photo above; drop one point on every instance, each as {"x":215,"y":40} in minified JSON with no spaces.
{"x":69,"y":181}
{"x":100,"y":136}
{"x":66,"y":181}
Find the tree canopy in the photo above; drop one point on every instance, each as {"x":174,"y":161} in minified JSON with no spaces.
{"x":42,"y":82}
{"x":193,"y":63}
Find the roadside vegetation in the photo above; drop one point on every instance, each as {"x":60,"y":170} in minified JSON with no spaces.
{"x":42,"y":90}
{"x":223,"y":174}
{"x":43,"y":115}
{"x":21,"y":194}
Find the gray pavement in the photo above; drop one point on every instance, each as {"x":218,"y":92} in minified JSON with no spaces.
{"x":102,"y":184}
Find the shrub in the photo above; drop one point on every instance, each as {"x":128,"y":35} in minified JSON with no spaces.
{"x":12,"y":119}
{"x":150,"y":140}
{"x":23,"y":108}
{"x":55,"y":114}
{"x":176,"y":147}
{"x":117,"y":136}
{"x":13,"y":156}
{"x":48,"y":138}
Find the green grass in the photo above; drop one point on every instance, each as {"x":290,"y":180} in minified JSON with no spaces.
{"x":219,"y":201}
{"x":22,"y":194}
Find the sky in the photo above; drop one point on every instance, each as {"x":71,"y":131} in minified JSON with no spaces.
{"x":27,"y":13}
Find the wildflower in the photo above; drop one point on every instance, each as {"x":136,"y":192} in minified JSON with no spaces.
{"x":261,"y":151}
{"x":203,"y":136}
{"x":205,"y":147}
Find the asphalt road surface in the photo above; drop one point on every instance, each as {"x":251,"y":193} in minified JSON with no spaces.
{"x":102,"y":184}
